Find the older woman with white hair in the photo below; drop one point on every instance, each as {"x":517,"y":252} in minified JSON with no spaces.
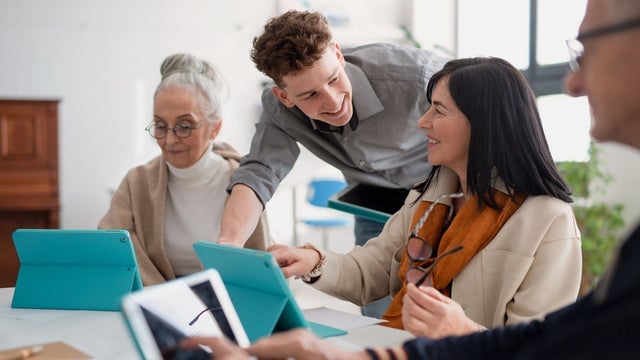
{"x":178,"y":197}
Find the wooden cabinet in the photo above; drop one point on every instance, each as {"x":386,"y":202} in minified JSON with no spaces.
{"x":29,"y":195}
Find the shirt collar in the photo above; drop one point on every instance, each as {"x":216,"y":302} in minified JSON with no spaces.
{"x":365,"y":100}
{"x":322,"y":126}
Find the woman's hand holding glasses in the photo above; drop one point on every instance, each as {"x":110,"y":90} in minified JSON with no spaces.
{"x":427,"y":312}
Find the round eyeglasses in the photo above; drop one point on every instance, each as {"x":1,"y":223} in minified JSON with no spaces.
{"x":420,"y":275}
{"x":182,"y":130}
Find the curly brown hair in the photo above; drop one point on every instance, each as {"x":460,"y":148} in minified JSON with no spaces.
{"x":290,"y":43}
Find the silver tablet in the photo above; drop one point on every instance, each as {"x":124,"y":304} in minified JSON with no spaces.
{"x":161,"y":316}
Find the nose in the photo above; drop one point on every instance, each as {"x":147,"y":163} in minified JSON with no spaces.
{"x":171,"y":137}
{"x":333,"y":98}
{"x":574,"y":85}
{"x":424,"y":122}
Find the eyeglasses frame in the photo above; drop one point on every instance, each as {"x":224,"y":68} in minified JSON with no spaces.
{"x":576,"y":48}
{"x":191,"y":128}
{"x":414,"y":235}
{"x":427,"y":271}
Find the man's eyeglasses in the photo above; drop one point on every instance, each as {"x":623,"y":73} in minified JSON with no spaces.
{"x":576,"y":49}
{"x":182,"y":130}
{"x":419,"y":250}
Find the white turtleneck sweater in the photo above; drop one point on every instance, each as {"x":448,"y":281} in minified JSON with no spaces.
{"x":195,"y":201}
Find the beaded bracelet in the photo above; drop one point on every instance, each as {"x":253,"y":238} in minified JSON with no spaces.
{"x":317,"y":270}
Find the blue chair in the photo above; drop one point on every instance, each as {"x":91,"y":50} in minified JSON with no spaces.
{"x":318,"y":193}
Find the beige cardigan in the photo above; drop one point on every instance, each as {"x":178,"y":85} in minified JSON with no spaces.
{"x":532,"y":266}
{"x":138,"y":206}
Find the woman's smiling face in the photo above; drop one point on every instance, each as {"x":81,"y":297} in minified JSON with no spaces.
{"x":448,"y":130}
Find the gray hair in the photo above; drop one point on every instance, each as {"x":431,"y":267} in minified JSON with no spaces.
{"x":190,"y":72}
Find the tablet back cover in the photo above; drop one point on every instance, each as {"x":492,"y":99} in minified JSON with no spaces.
{"x":256,"y":286}
{"x":258,"y":289}
{"x":74,"y":269}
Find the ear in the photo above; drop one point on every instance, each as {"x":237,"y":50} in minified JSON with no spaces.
{"x":215,"y":129}
{"x":282,"y":96}
{"x":338,"y":53}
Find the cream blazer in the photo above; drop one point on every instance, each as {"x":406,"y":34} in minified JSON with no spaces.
{"x":138,"y":206}
{"x":531,"y":267}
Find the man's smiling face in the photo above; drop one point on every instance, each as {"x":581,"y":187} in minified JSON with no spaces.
{"x":323,"y":91}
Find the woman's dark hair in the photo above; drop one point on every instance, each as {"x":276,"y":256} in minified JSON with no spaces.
{"x":507,"y":138}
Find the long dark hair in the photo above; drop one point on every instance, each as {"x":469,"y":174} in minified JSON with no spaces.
{"x":507,"y":138}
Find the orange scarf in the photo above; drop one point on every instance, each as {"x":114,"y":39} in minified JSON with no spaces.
{"x":472,"y":227}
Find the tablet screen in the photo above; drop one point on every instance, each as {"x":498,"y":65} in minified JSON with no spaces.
{"x":377,"y":198}
{"x":167,"y":338}
{"x":161,"y":316}
{"x":205,"y":292}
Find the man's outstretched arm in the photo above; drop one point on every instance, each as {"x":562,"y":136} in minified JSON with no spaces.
{"x":240,"y":217}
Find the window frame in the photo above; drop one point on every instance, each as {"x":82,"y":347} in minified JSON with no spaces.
{"x":543,"y":79}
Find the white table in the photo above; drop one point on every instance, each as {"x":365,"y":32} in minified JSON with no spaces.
{"x":103,"y":334}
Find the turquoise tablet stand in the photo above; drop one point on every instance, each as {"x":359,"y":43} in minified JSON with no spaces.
{"x":74,"y":269}
{"x":259,"y":292}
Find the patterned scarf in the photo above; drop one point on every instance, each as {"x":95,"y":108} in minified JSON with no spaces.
{"x":472,"y":227}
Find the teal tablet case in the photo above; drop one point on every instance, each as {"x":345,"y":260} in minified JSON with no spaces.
{"x":258,"y":290}
{"x":74,"y":269}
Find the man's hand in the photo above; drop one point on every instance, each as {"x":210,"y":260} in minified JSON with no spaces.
{"x":292,"y":344}
{"x":222,"y":348}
